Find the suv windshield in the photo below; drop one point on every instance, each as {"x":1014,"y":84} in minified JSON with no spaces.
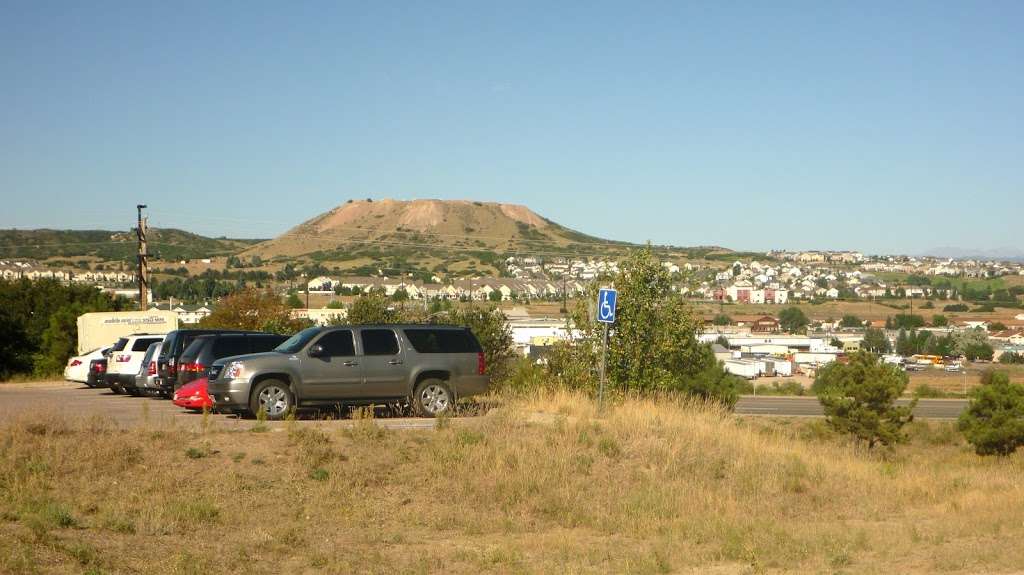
{"x":298,"y":341}
{"x":169,"y":343}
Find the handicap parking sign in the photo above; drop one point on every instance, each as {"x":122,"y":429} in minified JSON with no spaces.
{"x":606,"y":299}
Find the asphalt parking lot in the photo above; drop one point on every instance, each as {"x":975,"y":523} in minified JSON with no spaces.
{"x":79,"y":401}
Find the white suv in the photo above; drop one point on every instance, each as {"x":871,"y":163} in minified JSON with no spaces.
{"x":124,"y":361}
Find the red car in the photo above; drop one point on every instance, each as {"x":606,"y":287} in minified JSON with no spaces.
{"x":193,"y":395}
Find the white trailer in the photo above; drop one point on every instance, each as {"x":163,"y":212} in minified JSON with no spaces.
{"x":742,"y":367}
{"x":783,"y":368}
{"x":101,"y":328}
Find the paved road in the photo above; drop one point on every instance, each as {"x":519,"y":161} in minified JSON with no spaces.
{"x":809,"y":407}
{"x":25,"y":400}
{"x":17,"y":400}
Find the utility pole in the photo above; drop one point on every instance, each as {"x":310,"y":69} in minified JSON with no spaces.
{"x":143,"y":272}
{"x":565,"y":303}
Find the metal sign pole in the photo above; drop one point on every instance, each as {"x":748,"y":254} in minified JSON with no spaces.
{"x":607,"y":299}
{"x":604,"y":368}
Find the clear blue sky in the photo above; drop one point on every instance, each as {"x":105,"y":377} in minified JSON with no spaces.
{"x":887,"y":127}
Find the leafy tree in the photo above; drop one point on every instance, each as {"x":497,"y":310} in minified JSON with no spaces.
{"x":38,"y":323}
{"x":294,"y":301}
{"x":723,"y":341}
{"x":793,"y":319}
{"x":904,"y":345}
{"x":722,"y":319}
{"x":494,"y":296}
{"x":876,"y":341}
{"x":254,"y":310}
{"x":907,"y":321}
{"x":836,"y":343}
{"x":652,"y":347}
{"x":12,"y":345}
{"x":939,"y":320}
{"x":994,"y":420}
{"x":955,"y":307}
{"x":997,"y":326}
{"x":859,"y":398}
{"x":944,"y":346}
{"x":973,"y":344}
{"x":400,"y":295}
{"x":1011,"y":357}
{"x":371,"y":309}
{"x":850,"y":320}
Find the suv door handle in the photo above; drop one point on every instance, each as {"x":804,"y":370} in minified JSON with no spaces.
{"x":395,"y":362}
{"x":350,"y":363}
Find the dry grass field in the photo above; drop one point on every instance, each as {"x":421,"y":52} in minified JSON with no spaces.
{"x":536,"y":486}
{"x":956,"y":382}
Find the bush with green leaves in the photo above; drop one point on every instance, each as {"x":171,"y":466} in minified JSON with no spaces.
{"x":1011,"y":357}
{"x":653,"y":345}
{"x":859,"y":398}
{"x":38,"y":323}
{"x":850,"y":320}
{"x":793,"y":320}
{"x":876,"y":341}
{"x":994,"y":420}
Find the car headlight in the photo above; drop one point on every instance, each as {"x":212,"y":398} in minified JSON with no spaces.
{"x":233,"y":370}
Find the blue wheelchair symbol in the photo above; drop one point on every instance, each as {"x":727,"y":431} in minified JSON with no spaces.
{"x":606,"y":300}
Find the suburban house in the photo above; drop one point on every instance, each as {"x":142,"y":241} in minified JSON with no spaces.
{"x":765,"y":324}
{"x":187,"y":313}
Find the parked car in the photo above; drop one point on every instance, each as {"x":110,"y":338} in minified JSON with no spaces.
{"x":145,"y":380}
{"x":174,"y":344}
{"x":193,"y":395}
{"x":427,"y":366}
{"x":97,"y":373}
{"x":206,"y":349}
{"x":77,"y":368}
{"x":124,"y":360}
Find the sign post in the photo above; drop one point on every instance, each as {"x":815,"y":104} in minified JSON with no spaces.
{"x":607,"y":299}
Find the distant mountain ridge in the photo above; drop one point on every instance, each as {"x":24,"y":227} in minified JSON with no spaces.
{"x":359,"y":225}
{"x":998,"y":254}
{"x":164,"y":243}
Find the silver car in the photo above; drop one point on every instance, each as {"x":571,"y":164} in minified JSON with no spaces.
{"x":146,"y":379}
{"x":426,"y":366}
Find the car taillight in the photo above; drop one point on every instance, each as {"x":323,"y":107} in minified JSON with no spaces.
{"x":193,"y":367}
{"x":481,"y":363}
{"x":152,"y":368}
{"x":100,"y":367}
{"x":124,"y":358}
{"x":74,"y":363}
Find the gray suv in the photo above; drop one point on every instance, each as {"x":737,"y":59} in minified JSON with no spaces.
{"x":425,"y":365}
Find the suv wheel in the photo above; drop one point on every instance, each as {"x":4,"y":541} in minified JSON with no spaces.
{"x":273,"y":397}
{"x":432,"y":398}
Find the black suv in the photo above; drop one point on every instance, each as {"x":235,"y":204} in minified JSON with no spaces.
{"x":206,"y":349}
{"x":174,"y":344}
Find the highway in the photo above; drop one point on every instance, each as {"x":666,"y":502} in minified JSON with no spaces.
{"x":809,"y":407}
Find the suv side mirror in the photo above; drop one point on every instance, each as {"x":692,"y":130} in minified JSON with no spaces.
{"x":316,"y":351}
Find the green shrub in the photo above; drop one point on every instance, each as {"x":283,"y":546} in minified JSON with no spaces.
{"x":994,"y":421}
{"x":859,"y":398}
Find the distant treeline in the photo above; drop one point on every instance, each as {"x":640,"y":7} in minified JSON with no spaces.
{"x":39,"y":323}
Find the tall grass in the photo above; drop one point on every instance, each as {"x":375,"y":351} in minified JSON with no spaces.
{"x":543,"y":484}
